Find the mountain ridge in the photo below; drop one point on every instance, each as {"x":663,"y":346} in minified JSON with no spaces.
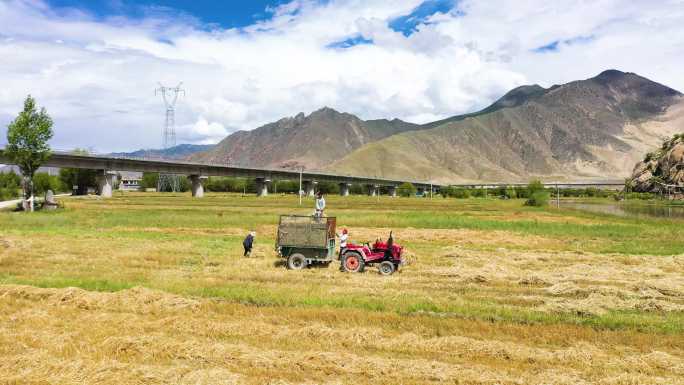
{"x":574,"y":130}
{"x":587,"y":128}
{"x":310,"y":141}
{"x":180,"y":151}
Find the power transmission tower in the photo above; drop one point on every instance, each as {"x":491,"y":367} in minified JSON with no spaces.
{"x":169,"y":182}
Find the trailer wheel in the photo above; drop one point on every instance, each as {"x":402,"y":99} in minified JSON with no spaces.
{"x":386,"y":268}
{"x":352,"y":263}
{"x":296,"y":261}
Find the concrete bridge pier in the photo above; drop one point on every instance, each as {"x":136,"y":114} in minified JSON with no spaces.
{"x":105,"y":183}
{"x":197,"y":185}
{"x":262,"y":186}
{"x":372,"y":190}
{"x":344,"y":189}
{"x":392,"y":191}
{"x":309,"y":187}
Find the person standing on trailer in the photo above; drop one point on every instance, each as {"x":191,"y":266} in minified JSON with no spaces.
{"x":320,"y":205}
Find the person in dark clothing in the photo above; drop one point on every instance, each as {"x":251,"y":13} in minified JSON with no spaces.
{"x":248,"y":243}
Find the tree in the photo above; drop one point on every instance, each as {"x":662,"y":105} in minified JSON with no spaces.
{"x":27,"y":142}
{"x":406,"y":189}
{"x":42,"y":182}
{"x":149,"y":180}
{"x":9,"y":185}
{"x":80,"y":177}
{"x":537,"y":194}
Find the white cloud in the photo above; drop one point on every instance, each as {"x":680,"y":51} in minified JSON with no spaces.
{"x":97,"y":77}
{"x":201,"y":132}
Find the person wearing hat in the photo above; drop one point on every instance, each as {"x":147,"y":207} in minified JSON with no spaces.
{"x":248,"y":243}
{"x":320,"y":205}
{"x":343,"y":240}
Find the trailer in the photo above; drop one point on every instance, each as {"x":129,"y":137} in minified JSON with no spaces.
{"x":306,"y":240}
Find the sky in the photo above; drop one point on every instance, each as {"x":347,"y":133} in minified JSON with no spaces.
{"x":95,"y":65}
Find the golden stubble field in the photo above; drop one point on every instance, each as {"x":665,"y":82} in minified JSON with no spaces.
{"x":146,"y":288}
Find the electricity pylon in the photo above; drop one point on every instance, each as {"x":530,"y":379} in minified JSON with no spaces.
{"x":169,"y":182}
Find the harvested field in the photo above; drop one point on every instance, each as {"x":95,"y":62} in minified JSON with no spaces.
{"x":150,"y":288}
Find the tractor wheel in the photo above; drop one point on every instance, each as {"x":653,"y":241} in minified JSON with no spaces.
{"x":386,"y":268}
{"x":352,"y":263}
{"x":296,"y":261}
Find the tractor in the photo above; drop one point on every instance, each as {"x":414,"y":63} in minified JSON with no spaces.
{"x":387,"y":255}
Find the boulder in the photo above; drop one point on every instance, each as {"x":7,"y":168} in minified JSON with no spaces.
{"x":662,"y":167}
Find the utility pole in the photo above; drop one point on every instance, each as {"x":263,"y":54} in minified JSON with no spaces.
{"x":170,"y":97}
{"x":301,"y":170}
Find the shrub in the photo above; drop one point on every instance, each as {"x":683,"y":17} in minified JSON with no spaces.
{"x":538,"y":199}
{"x":536,"y":194}
{"x":10,"y":183}
{"x":406,"y":189}
{"x":328,"y":187}
{"x":511,"y":193}
{"x":42,"y":182}
{"x":184,"y":183}
{"x":149,"y":180}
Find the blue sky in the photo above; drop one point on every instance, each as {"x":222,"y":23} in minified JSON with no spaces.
{"x":226,"y":14}
{"x":95,"y":64}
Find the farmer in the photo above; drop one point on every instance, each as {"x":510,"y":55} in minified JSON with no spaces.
{"x":343,"y":246}
{"x":343,"y":240}
{"x":248,"y":243}
{"x":320,"y":205}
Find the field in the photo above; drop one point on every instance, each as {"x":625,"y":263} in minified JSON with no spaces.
{"x":151,"y":288}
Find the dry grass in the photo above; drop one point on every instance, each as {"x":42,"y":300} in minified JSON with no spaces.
{"x":165,"y":297}
{"x":143,"y":336}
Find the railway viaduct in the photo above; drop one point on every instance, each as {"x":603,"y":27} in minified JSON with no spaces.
{"x":198,"y":172}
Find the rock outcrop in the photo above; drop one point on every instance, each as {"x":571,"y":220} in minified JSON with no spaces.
{"x":661,"y":168}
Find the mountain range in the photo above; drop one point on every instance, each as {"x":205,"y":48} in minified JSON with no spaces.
{"x":594,"y":128}
{"x":180,"y":151}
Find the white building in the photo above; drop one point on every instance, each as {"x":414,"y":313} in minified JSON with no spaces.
{"x":129,"y":181}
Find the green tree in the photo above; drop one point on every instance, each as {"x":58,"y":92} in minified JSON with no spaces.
{"x":183,"y":183}
{"x":42,"y":182}
{"x":149,"y":180}
{"x":79,"y":177}
{"x":27,"y":141}
{"x":9,"y":185}
{"x":406,"y":189}
{"x":537,"y":194}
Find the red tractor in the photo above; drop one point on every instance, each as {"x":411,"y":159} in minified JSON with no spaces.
{"x":386,"y":255}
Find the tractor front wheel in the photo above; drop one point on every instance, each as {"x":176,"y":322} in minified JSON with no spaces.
{"x":352,"y":263}
{"x":386,"y":268}
{"x":296,"y":261}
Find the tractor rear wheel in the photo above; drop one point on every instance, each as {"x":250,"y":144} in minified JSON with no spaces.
{"x":386,"y":268}
{"x":352,"y":263}
{"x":296,"y":261}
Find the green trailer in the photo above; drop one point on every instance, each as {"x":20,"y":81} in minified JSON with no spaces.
{"x":306,"y":240}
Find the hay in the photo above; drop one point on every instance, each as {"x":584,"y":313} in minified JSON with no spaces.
{"x":138,"y":299}
{"x":239,"y":345}
{"x":213,"y":376}
{"x":533,"y":281}
{"x":564,"y":289}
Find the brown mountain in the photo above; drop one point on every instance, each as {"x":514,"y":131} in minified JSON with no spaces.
{"x":311,"y":141}
{"x":594,"y":128}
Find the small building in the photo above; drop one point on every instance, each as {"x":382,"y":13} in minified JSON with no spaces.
{"x":129,"y":181}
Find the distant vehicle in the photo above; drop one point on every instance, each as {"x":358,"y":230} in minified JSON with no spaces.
{"x":306,"y":240}
{"x":387,"y":255}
